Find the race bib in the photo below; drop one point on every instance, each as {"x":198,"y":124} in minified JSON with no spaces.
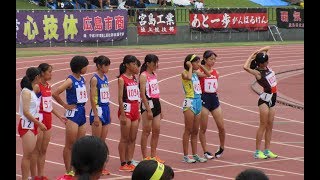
{"x":47,"y":104}
{"x":104,"y":95}
{"x":210,"y":85}
{"x":70,"y":113}
{"x":99,"y":109}
{"x":133,"y":93}
{"x":271,"y":78}
{"x":187,"y":103}
{"x":82,"y":95}
{"x":266,"y":96}
{"x":150,"y":102}
{"x":154,"y":87}
{"x":197,"y":87}
{"x":127,"y":107}
{"x":26,"y":124}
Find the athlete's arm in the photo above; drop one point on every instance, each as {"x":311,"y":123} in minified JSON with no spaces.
{"x":65,"y":85}
{"x":247,"y":68}
{"x":143,"y":81}
{"x":93,"y":93}
{"x":187,"y":75}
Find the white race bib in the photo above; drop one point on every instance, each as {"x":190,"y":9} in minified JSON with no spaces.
{"x":47,"y":104}
{"x":26,"y":124}
{"x":104,"y":95}
{"x":150,"y":102}
{"x":187,"y":103}
{"x":266,"y":96}
{"x":210,"y":85}
{"x":70,"y":113}
{"x":271,"y":78}
{"x":126,"y":107}
{"x":154,"y":87}
{"x":133,"y":93}
{"x":197,"y":87}
{"x":82,"y":95}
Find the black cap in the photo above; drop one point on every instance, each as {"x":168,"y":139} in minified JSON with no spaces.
{"x":261,"y":58}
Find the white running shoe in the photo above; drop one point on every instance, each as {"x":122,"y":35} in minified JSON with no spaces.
{"x":208,"y":155}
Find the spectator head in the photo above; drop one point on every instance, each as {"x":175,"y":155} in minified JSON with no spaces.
{"x":152,"y":170}
{"x":252,"y":174}
{"x":88,"y":157}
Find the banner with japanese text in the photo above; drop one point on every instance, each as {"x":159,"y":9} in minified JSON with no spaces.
{"x":70,"y":26}
{"x":229,"y":19}
{"x":290,"y":18}
{"x":156,"y":21}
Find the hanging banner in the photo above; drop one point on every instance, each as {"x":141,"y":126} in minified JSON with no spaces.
{"x":153,"y":22}
{"x":290,"y":18}
{"x":70,"y":26}
{"x":233,"y":19}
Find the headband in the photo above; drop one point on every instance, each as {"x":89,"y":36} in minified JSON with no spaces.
{"x":192,"y":57}
{"x":158,"y":173}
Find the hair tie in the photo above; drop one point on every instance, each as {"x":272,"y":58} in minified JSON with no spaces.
{"x":158,"y":173}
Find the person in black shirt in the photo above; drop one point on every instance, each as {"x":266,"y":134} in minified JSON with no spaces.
{"x":257,"y":65}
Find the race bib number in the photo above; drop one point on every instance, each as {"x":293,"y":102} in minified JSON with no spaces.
{"x":154,"y":87}
{"x":127,"y":107}
{"x":99,"y":109}
{"x":150,"y":102}
{"x":47,"y":104}
{"x":197,"y":87}
{"x":26,"y":124}
{"x":187,"y":103}
{"x":133,"y":93}
{"x":266,"y":96}
{"x":104,"y":95}
{"x":271,"y":78}
{"x":82,"y":95}
{"x":70,"y":113}
{"x":210,"y":85}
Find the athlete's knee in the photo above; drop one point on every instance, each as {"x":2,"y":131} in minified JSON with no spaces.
{"x":43,"y":151}
{"x":28,"y":155}
{"x":155,"y":131}
{"x":221,"y":130}
{"x":195,"y":132}
{"x":146,"y":131}
{"x":203,"y":130}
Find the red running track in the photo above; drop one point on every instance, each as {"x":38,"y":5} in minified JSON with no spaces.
{"x":238,"y":102}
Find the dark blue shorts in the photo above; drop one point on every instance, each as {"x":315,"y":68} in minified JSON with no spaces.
{"x":210,"y":101}
{"x":77,"y":115}
{"x":104,"y":115}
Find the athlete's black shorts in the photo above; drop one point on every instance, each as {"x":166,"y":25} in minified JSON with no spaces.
{"x":271,"y":103}
{"x":156,"y":110}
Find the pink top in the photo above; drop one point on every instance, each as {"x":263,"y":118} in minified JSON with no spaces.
{"x":152,"y":87}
